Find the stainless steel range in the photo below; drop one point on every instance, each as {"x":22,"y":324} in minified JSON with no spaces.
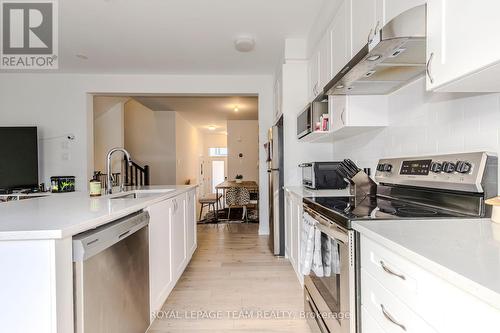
{"x":425,"y":187}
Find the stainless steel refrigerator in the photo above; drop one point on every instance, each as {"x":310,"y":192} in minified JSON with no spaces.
{"x":276,"y":193}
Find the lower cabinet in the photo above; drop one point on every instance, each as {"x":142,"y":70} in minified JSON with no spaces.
{"x":293,"y":228}
{"x":172,"y":242}
{"x":400,"y":296}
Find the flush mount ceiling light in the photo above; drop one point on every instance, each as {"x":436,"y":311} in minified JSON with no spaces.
{"x":211,"y":128}
{"x":236,"y":109}
{"x":244,"y":43}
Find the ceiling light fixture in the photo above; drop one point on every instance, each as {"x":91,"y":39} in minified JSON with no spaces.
{"x":211,"y":128}
{"x":236,"y":109}
{"x":244,"y":43}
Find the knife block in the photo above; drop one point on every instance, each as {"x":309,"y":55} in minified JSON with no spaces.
{"x":362,"y":186}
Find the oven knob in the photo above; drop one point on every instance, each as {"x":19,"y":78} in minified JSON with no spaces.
{"x":463,"y":167}
{"x":380,"y":167}
{"x":387,"y":167}
{"x":448,"y":167}
{"x":436,"y":167}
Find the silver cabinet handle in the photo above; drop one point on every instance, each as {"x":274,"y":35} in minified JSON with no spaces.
{"x":428,"y":67}
{"x":390,"y":318}
{"x":342,"y":116}
{"x":390,"y":271}
{"x":370,"y":38}
{"x":376,"y":28}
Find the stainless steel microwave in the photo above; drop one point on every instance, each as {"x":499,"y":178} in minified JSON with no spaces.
{"x":306,"y":118}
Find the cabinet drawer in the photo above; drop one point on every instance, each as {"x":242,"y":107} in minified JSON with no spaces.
{"x":368,"y":323}
{"x":387,"y":310}
{"x":395,"y":273}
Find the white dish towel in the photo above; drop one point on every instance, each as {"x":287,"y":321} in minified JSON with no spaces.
{"x":307,"y":243}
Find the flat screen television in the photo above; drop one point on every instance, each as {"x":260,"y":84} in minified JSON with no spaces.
{"x":18,"y":158}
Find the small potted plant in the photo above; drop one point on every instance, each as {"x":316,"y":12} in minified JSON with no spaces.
{"x":239,"y":179}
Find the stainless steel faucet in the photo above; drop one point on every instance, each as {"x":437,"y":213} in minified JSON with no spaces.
{"x":109,"y":183}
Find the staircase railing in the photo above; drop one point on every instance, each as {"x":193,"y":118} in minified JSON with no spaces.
{"x":136,"y":175}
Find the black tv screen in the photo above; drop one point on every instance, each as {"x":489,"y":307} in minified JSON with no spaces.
{"x":18,"y":158}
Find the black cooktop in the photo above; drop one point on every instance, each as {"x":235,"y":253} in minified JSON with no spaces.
{"x":342,"y":211}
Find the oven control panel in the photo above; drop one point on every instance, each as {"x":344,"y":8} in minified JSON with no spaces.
{"x":462,"y":172}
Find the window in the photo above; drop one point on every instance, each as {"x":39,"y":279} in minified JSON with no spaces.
{"x":217,"y":152}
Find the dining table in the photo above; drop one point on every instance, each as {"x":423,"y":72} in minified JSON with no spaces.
{"x":251,"y":185}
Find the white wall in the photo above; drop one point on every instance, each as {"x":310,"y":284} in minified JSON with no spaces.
{"x":62,"y":103}
{"x":150,"y":139}
{"x":242,"y":137}
{"x":108,"y":130}
{"x":422,"y":123}
{"x":188,"y":149}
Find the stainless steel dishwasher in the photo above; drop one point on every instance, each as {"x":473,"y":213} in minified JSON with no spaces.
{"x":111,"y":277}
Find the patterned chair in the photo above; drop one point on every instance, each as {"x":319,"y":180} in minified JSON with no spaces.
{"x":238,"y":197}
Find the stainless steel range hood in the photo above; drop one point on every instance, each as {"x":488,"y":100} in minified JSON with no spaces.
{"x":394,"y":57}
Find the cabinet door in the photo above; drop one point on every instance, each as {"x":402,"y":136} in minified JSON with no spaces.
{"x":296,"y":227}
{"x":160,"y":269}
{"x":179,"y":256}
{"x":314,"y":75}
{"x":363,"y":23}
{"x":461,"y":39}
{"x":340,"y":41}
{"x":325,"y":73}
{"x":288,"y":224}
{"x":190,"y":223}
{"x":338,"y":108}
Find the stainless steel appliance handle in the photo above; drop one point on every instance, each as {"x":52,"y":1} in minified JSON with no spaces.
{"x":390,"y":318}
{"x":320,"y":323}
{"x":329,"y":227}
{"x":428,"y":67}
{"x":305,"y":165}
{"x":390,"y":271}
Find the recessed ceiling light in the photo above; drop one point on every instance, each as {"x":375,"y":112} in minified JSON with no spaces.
{"x":82,"y":56}
{"x":236,"y":109}
{"x":211,"y":128}
{"x":244,"y":43}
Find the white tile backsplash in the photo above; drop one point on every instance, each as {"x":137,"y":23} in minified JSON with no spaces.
{"x":423,"y":123}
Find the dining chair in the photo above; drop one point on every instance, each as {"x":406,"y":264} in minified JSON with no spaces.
{"x":238,"y":197}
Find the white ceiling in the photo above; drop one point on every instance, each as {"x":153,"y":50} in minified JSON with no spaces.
{"x":205,"y":111}
{"x":178,"y":36}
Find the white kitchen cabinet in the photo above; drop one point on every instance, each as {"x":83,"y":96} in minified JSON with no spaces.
{"x":463,"y":52}
{"x":179,"y":253}
{"x":160,"y":266}
{"x":313,"y":71}
{"x":278,"y":94}
{"x":324,"y":63}
{"x":339,"y":38}
{"x":415,"y":297}
{"x":190,"y":223}
{"x":363,"y":23}
{"x":172,"y":242}
{"x":293,"y":228}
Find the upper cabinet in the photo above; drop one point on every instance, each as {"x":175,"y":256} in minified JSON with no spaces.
{"x":313,"y":71}
{"x":463,"y":53}
{"x":386,"y":10}
{"x":339,"y":50}
{"x":363,"y":23}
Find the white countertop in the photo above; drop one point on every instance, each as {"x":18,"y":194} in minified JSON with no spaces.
{"x":465,"y":253}
{"x":67,"y":214}
{"x":305,"y":192}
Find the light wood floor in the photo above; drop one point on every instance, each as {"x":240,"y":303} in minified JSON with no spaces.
{"x":233,"y":275}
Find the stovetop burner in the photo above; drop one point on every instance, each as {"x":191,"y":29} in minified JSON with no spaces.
{"x":341,"y":210}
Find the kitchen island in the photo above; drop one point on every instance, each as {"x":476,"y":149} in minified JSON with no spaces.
{"x":36,"y":254}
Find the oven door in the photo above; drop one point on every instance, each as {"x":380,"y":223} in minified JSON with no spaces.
{"x":333,"y":293}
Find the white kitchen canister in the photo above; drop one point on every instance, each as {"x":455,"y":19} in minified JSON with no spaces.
{"x":495,"y":203}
